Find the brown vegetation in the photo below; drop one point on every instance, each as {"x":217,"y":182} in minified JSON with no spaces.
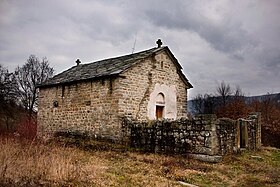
{"x":233,"y":104}
{"x":73,"y":162}
{"x":270,"y":111}
{"x":234,"y":110}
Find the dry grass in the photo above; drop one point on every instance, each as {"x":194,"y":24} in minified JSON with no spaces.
{"x":90,"y":163}
{"x":33,"y":163}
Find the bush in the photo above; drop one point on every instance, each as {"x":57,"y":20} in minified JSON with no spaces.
{"x":27,"y":128}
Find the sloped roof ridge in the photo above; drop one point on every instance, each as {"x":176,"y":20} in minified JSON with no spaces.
{"x":123,"y":56}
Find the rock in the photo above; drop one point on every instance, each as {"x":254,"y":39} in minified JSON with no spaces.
{"x":257,"y":157}
{"x":206,"y":158}
{"x":187,"y":184}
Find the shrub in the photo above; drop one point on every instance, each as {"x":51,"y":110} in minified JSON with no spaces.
{"x":27,"y":128}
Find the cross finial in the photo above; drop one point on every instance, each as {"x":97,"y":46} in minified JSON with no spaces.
{"x":159,"y":43}
{"x":78,"y":61}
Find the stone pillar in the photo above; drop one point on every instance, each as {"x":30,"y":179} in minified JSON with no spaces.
{"x":214,"y":138}
{"x":256,"y":116}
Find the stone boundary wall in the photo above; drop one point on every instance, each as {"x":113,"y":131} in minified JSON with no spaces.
{"x":203,"y":135}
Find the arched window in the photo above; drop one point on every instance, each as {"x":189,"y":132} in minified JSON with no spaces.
{"x":160,"y":103}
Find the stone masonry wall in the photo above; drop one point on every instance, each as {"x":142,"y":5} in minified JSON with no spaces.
{"x":227,"y":136}
{"x":203,"y":135}
{"x":87,"y":107}
{"x":180,"y":136}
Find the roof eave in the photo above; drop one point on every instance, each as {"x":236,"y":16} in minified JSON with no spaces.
{"x":185,"y":80}
{"x":78,"y":81}
{"x":179,"y":67}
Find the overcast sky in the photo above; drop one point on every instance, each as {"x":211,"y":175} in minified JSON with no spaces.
{"x":233,"y":41}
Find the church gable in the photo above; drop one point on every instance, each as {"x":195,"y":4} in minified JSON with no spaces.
{"x":157,"y":75}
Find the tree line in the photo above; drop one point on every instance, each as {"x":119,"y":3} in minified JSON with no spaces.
{"x":18,"y":93}
{"x":232,"y":103}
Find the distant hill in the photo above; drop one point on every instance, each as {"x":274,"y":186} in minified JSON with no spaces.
{"x":248,"y":99}
{"x":263,"y":97}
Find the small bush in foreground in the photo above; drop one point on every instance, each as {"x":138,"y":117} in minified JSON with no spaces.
{"x":27,"y":128}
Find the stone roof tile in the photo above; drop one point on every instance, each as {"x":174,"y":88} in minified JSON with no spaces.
{"x":102,"y":68}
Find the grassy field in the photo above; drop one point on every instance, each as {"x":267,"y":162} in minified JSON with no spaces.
{"x":91,"y":163}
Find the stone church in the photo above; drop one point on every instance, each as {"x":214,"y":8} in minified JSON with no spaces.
{"x":93,"y":98}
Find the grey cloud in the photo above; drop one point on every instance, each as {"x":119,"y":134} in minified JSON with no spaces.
{"x":225,"y":36}
{"x":236,"y":41}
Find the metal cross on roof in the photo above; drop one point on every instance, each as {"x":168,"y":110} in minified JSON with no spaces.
{"x":159,"y":43}
{"x":78,"y":61}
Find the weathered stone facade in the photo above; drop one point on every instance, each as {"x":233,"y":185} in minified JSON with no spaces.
{"x":96,"y":106}
{"x":87,"y":107}
{"x":141,"y":80}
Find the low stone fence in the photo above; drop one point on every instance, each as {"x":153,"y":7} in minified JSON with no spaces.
{"x":205,"y":135}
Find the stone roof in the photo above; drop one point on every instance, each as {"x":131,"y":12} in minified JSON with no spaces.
{"x":105,"y":68}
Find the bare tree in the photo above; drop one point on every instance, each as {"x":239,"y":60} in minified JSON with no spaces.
{"x":204,"y":104}
{"x":32,"y":73}
{"x":238,"y":95}
{"x":209,"y":104}
{"x":8,"y":97}
{"x":238,"y":92}
{"x":8,"y":85}
{"x":198,"y":104}
{"x":224,"y":91}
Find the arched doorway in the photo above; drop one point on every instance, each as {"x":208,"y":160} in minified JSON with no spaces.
{"x":160,"y":104}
